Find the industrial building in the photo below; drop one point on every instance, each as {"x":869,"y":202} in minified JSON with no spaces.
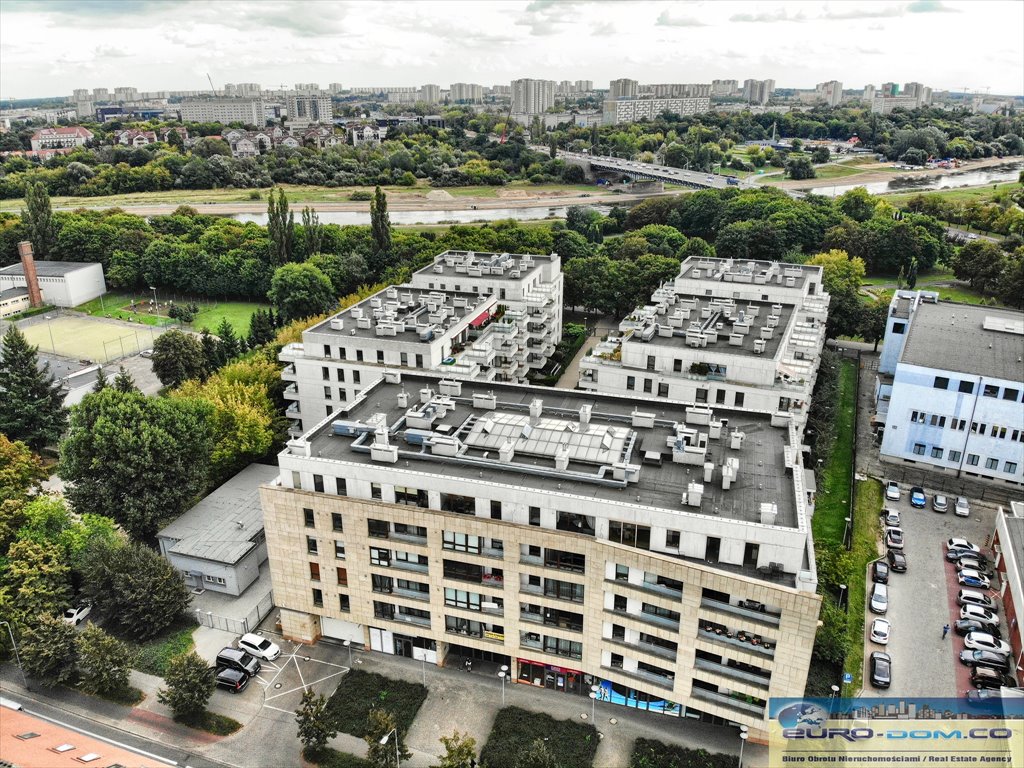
{"x":56,"y":283}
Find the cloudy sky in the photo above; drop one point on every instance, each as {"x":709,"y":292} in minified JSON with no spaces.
{"x":50,"y":47}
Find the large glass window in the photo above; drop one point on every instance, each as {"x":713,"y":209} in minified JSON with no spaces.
{"x":411,"y":497}
{"x":563,"y":590}
{"x":559,"y":647}
{"x":463,"y":505}
{"x":565,"y":561}
{"x":568,"y":521}
{"x":458,"y":598}
{"x":461,"y":542}
{"x":638,"y":536}
{"x":378,"y":529}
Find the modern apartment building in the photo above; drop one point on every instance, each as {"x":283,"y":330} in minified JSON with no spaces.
{"x":662,"y":554}
{"x":724,"y":87}
{"x":532,"y":97}
{"x":949,"y":388}
{"x":247,"y":111}
{"x":466,"y":93}
{"x":831,"y":92}
{"x":724,"y":333}
{"x":677,"y":90}
{"x":487,"y":316}
{"x":430,"y":94}
{"x":126,"y":93}
{"x":305,"y":110}
{"x":617,"y":111}
{"x":758,"y":91}
{"x":623,"y":88}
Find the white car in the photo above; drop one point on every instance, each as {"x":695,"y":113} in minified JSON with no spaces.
{"x":891,"y":518}
{"x":960,"y":543}
{"x":971,"y":578}
{"x":258,"y":646}
{"x":75,"y":616}
{"x":983,"y":641}
{"x":894,"y":538}
{"x":880,"y":630}
{"x":879,"y":599}
{"x":962,"y":508}
{"x":892,"y":491}
{"x":978,"y":613}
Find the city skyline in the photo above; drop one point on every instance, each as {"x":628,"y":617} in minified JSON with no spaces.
{"x":163,"y":46}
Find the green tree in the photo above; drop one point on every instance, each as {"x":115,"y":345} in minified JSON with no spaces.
{"x":841,"y":277}
{"x":552,"y":147}
{"x":379,"y":724}
{"x":104,"y":662}
{"x":820,"y":155}
{"x":537,"y":755}
{"x":346,"y":272}
{"x":21,"y":471}
{"x":135,"y":459}
{"x":48,"y":650}
{"x":799,"y":167}
{"x":300,"y":290}
{"x":178,"y":357}
{"x":873,"y":319}
{"x":101,"y":380}
{"x":37,"y":581}
{"x":38,"y":218}
{"x":124,"y":382}
{"x":1010,"y":287}
{"x":261,"y":328}
{"x":459,"y":751}
{"x":189,"y":686}
{"x":380,"y":225}
{"x":981,"y":263}
{"x":138,"y":591}
{"x":280,"y":226}
{"x":213,"y":358}
{"x":32,"y":407}
{"x":312,"y":231}
{"x":315,"y":725}
{"x":857,"y":203}
{"x":832,"y":642}
{"x":230,"y":345}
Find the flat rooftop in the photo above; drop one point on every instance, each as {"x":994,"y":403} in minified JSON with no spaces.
{"x":492,"y":266}
{"x":404,"y":313}
{"x":48,"y":268}
{"x":716,"y":330}
{"x":10,"y":293}
{"x":986,"y":341}
{"x":747,"y":271}
{"x":551,"y":450}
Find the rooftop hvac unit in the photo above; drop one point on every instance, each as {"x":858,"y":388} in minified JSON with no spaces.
{"x":767,"y":333}
{"x":506,"y":452}
{"x":450,"y":387}
{"x":769,"y":511}
{"x":759,"y":346}
{"x":709,"y":471}
{"x":445,"y":445}
{"x":363,"y":322}
{"x":426,"y":395}
{"x":403,"y":399}
{"x":337,"y":324}
{"x":350,"y":428}
{"x":561,"y":458}
{"x":736,"y":440}
{"x":715,"y":430}
{"x":536,"y":408}
{"x":486,"y":402}
{"x":356,"y":312}
{"x":392,"y":377}
{"x":585,"y":411}
{"x":694,"y":494}
{"x":696,"y":273}
{"x":648,"y":333}
{"x":439,"y":268}
{"x":376,"y":302}
{"x":417,"y":436}
{"x":643,"y":419}
{"x":790,"y":282}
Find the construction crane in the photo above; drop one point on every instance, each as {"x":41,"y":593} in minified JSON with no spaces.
{"x":211,"y":83}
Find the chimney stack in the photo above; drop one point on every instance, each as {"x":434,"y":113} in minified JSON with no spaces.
{"x":28,"y":265}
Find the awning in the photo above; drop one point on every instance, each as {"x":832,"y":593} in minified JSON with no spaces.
{"x":478,"y":321}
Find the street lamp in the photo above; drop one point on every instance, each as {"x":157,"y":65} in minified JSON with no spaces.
{"x":384,"y":740}
{"x":842,"y":593}
{"x":743,"y":740}
{"x":53,"y":346}
{"x":17,"y":655}
{"x":594,"y":692}
{"x":348,"y":644}
{"x":846,"y":535}
{"x":503,"y":674}
{"x":831,"y":702}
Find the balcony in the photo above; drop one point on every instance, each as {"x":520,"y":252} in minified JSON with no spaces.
{"x":288,"y":374}
{"x":668,"y":682}
{"x":496,"y":554}
{"x":291,"y":392}
{"x":761,"y":681}
{"x":410,"y":594}
{"x":533,"y":645}
{"x":738,"y":705}
{"x":735,"y":642}
{"x":640,"y":645}
{"x":649,"y":587}
{"x":290,"y":353}
{"x":772,"y":619}
{"x":293,"y":411}
{"x":531,"y":560}
{"x":409,"y":538}
{"x":419,"y":621}
{"x":487,"y":637}
{"x":406,"y":565}
{"x":657,"y":621}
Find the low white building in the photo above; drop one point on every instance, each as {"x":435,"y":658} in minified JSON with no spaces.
{"x":13,"y":301}
{"x":62,"y":283}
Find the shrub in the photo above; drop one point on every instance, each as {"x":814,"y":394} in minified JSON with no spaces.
{"x":360,"y":691}
{"x":648,"y":753}
{"x":572,"y":744}
{"x":361,"y":195}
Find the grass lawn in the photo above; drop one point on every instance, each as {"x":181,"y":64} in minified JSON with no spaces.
{"x":112,"y":305}
{"x":830,"y":508}
{"x":965,"y":195}
{"x":572,"y":744}
{"x":654,"y":754}
{"x":210,"y":312}
{"x":156,"y":653}
{"x":867,"y":505}
{"x":358,"y":691}
{"x":835,"y":171}
{"x":237,"y":313}
{"x":961,"y":292}
{"x":211,"y":722}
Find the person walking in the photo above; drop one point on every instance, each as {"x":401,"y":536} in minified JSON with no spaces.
{"x":945,"y":631}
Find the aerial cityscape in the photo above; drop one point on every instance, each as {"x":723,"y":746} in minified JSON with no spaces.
{"x":521,"y":384}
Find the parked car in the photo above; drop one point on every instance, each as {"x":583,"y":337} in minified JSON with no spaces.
{"x":146,"y":353}
{"x":962,"y":507}
{"x":958,"y":543}
{"x":77,"y":615}
{"x":955,"y":555}
{"x":879,"y":599}
{"x":240,"y":660}
{"x":880,"y":572}
{"x":985,"y":677}
{"x":983,"y":696}
{"x":985,"y":659}
{"x":880,"y":631}
{"x":890,"y":518}
{"x":983,"y":641}
{"x":892,"y":491}
{"x":917,"y":497}
{"x":894,"y":538}
{"x":978,"y":613}
{"x":963,"y":626}
{"x":258,"y":646}
{"x":940,"y":503}
{"x":232,"y":679}
{"x":974,"y":597}
{"x":897,"y":561}
{"x":881,"y":669}
{"x":970,"y":564}
{"x":969,"y":578}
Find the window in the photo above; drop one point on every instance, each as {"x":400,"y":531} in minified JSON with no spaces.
{"x":1010,"y":466}
{"x":380,"y":355}
{"x":616,"y":661}
{"x":899,"y":328}
{"x":919,"y":449}
{"x":309,"y":517}
{"x":214,"y":580}
{"x":326,"y":373}
{"x":411,"y":497}
{"x":327,"y":350}
{"x":495,"y":510}
{"x":565,"y":561}
{"x":663,"y":613}
{"x":378,"y":529}
{"x":342,"y":488}
{"x":967,"y":387}
{"x":376,"y":492}
{"x":563,"y":590}
{"x":330,"y":409}
{"x":936,"y":453}
{"x":941,"y":382}
{"x":318,"y":483}
{"x":459,"y":598}
{"x":336,"y":523}
{"x":1010,"y":394}
{"x":677,"y":366}
{"x":311,"y":547}
{"x":991,"y":463}
{"x":972,"y":459}
{"x":460,"y":542}
{"x":318,"y":598}
{"x":380,"y":556}
{"x":341,"y":375}
{"x":672,"y":539}
{"x":359,"y":355}
{"x":535,"y":516}
{"x":662,"y":389}
{"x":383,"y":610}
{"x":958,"y":424}
{"x":343,"y":353}
{"x":339,"y":549}
{"x":419,"y":361}
{"x":990,"y":390}
{"x":720,"y":397}
{"x":702,"y":395}
{"x":954,"y":456}
{"x":342,"y":574}
{"x":631,"y":382}
{"x":327,"y":393}
{"x":618,"y":632}
{"x":463,"y":505}
{"x":648,"y":384}
{"x":632,"y":535}
{"x":570,"y":521}
{"x":355,"y":374}
{"x":738,"y":402}
{"x":621,"y":572}
{"x":619,"y":603}
{"x":558,"y":647}
{"x":344,"y":604}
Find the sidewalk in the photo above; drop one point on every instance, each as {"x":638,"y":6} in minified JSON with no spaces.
{"x":571,"y":376}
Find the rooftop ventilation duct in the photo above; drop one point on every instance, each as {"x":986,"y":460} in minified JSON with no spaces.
{"x":337,"y":324}
{"x":506,"y":452}
{"x":694,"y":494}
{"x":585,"y":411}
{"x":769,"y":511}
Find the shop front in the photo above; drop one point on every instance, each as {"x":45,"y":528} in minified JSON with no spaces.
{"x":554,"y":678}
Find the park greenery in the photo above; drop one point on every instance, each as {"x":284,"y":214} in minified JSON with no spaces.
{"x":523,"y":739}
{"x":650,"y":753}
{"x":32,"y":407}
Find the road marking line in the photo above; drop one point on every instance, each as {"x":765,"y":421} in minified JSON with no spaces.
{"x":278,"y":709}
{"x":103,"y":738}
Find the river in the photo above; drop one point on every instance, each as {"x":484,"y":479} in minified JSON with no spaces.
{"x":464,"y":216}
{"x":994,"y":174}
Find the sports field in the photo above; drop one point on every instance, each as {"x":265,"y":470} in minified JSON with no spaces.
{"x":87,"y":338}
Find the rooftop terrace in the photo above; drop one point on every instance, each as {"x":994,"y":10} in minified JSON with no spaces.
{"x":745,"y":271}
{"x":493,"y":266}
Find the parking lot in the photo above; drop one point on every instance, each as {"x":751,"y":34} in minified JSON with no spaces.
{"x":923,"y":600}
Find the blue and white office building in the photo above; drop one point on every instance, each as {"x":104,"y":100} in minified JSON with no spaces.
{"x":950,"y":388}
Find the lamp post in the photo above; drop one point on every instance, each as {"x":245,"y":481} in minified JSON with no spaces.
{"x":17,"y":655}
{"x":503,"y":674}
{"x":53,"y":347}
{"x":831,"y":702}
{"x":743,"y":740}
{"x":594,"y":692}
{"x":846,"y":535}
{"x":842,"y":594}
{"x":384,"y":740}
{"x":155,"y":304}
{"x":348,"y":644}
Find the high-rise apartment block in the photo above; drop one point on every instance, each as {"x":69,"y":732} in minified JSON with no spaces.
{"x":307,"y":110}
{"x":247,"y":111}
{"x":889,"y":89}
{"x":868,"y":94}
{"x":466,"y":93}
{"x":487,"y":316}
{"x":758,"y":91}
{"x":617,"y":111}
{"x":125,"y":93}
{"x":724,"y":333}
{"x":100,"y":95}
{"x":676,"y":90}
{"x":724,"y":87}
{"x":335,"y":88}
{"x":831,"y":92}
{"x":307,"y":87}
{"x":532,"y":97}
{"x":623,"y":88}
{"x":430,"y":94}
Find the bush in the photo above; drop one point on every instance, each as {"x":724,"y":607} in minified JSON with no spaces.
{"x":572,"y":744}
{"x":154,"y":656}
{"x":211,"y":722}
{"x":648,"y":753}
{"x":360,"y":196}
{"x":360,"y":691}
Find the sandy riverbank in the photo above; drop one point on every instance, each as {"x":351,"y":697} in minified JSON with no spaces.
{"x":871,"y":177}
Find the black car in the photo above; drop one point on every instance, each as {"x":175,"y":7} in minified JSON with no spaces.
{"x":963,"y":626}
{"x":231,"y":679}
{"x":879,"y":572}
{"x":881,"y":669}
{"x":983,"y":677}
{"x":955,"y":555}
{"x":897,"y":561}
{"x":997,"y":661}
